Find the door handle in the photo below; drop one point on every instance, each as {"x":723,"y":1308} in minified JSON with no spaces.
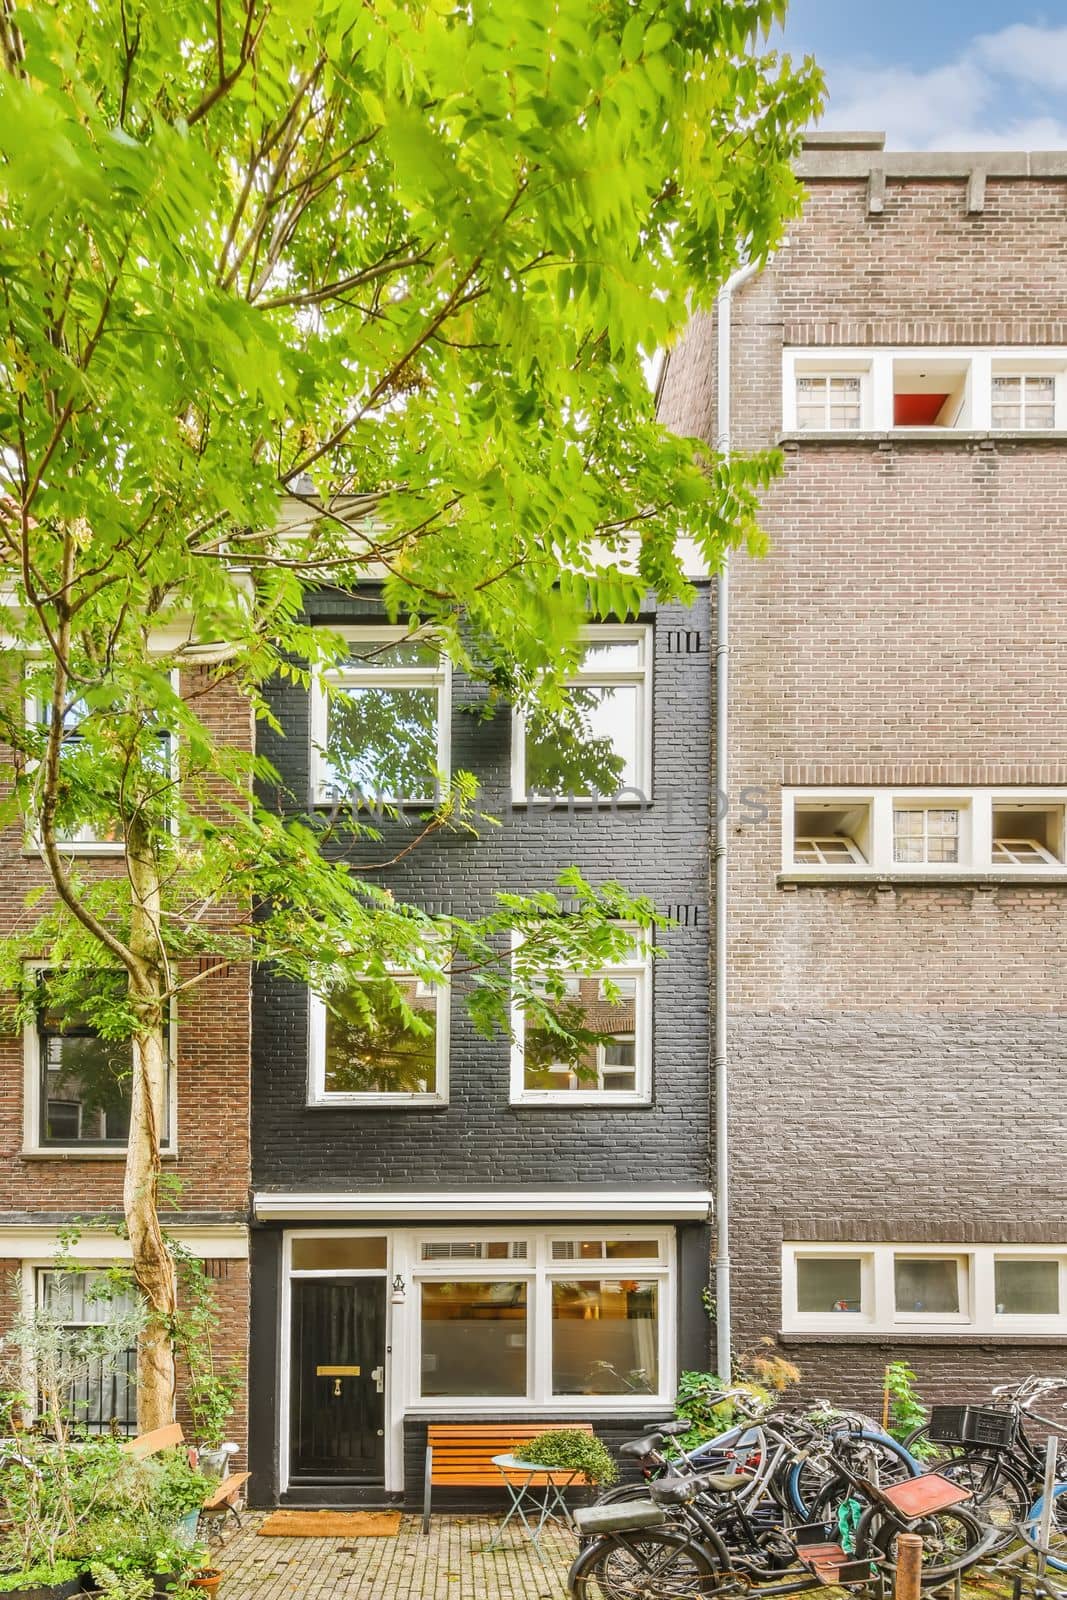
{"x":378,"y":1374}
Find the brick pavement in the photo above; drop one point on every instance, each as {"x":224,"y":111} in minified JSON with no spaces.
{"x":451,"y":1563}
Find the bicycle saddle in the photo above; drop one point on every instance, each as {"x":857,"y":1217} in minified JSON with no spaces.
{"x":671,"y":1430}
{"x":641,"y":1447}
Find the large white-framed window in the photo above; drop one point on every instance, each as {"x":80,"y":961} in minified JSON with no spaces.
{"x":917,"y":831}
{"x":380,"y":721}
{"x":614,"y":1065}
{"x":77,"y":1085}
{"x":379,"y":1042}
{"x":518,"y":1317}
{"x":838,"y":389}
{"x":102,"y":838}
{"x":599,"y":748}
{"x":924,"y":1288}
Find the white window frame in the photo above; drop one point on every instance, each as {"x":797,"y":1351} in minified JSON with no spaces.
{"x":976,"y":808}
{"x":1040,"y":366}
{"x":32,"y":1144}
{"x":639,"y":793}
{"x":976,"y":1266}
{"x":374,"y":675}
{"x":875,"y":364}
{"x":539,"y":1271}
{"x":35,"y":1298}
{"x":403,"y":1345}
{"x":829,"y":363}
{"x":640,"y":967}
{"x":319,"y":1096}
{"x":35,"y":713}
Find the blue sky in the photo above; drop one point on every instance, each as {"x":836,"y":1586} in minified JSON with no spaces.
{"x":941,"y":74}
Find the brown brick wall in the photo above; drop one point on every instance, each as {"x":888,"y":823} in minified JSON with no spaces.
{"x":212,"y":1067}
{"x":897,"y":1052}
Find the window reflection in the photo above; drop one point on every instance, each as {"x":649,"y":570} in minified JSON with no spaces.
{"x":474,"y":1338}
{"x":605,"y":1336}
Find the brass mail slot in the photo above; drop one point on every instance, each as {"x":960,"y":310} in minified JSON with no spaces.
{"x":337,"y":1372}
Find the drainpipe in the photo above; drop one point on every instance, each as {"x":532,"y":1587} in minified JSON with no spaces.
{"x":723,"y":1319}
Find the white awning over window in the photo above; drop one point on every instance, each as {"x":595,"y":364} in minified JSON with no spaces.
{"x":486,"y":1205}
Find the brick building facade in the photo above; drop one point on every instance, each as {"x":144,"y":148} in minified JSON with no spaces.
{"x":898,"y":945}
{"x":61,"y":1166}
{"x":496,"y":1249}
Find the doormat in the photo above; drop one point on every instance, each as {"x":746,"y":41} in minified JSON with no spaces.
{"x":331,"y":1524}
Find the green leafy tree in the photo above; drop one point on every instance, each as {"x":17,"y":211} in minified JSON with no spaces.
{"x":316,"y":292}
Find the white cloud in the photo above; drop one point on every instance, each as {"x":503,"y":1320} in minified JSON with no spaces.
{"x":990,"y":98}
{"x":1032,"y":55}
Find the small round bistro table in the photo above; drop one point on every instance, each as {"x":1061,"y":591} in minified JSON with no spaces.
{"x":528,"y":1502}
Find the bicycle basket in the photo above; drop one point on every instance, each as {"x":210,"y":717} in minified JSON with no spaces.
{"x":971,"y":1425}
{"x":946,"y":1424}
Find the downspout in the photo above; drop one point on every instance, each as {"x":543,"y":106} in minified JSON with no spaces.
{"x":723,"y":1317}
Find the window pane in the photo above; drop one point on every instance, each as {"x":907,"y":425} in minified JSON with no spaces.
{"x":473,"y":1338}
{"x":829,"y":1283}
{"x":85,"y":1089}
{"x":474,"y":1250}
{"x":1027,"y":1288}
{"x":612,"y":655}
{"x":605,"y":1250}
{"x":338,"y":1254}
{"x":102,"y":1389}
{"x":607,"y":1063}
{"x":930,"y":1285}
{"x":406,"y":653}
{"x":590,"y":746}
{"x":373,"y":1048}
{"x":604,"y":1337}
{"x":380,"y":743}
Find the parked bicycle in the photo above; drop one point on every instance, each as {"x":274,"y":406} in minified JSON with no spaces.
{"x":988,"y":1450}
{"x":695,"y":1535}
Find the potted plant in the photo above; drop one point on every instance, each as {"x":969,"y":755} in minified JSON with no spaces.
{"x":53,"y":1580}
{"x":571,"y":1450}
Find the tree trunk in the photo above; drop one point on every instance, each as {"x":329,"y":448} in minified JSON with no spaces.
{"x":153,"y":1265}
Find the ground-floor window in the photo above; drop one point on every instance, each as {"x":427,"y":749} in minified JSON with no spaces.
{"x":924,"y":1288}
{"x":542,"y":1316}
{"x":96,"y":1370}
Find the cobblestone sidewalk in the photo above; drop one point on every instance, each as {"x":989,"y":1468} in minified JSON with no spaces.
{"x":450,"y":1563}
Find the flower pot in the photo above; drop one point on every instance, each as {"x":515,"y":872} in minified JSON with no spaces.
{"x":207,"y":1579}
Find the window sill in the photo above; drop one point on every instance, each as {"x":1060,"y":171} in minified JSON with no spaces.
{"x":1050,"y":877}
{"x":561,"y":1101}
{"x":379,"y":1102}
{"x":66,"y":1153}
{"x":894,"y":436}
{"x":445,"y":1407}
{"x":111,"y":852}
{"x":944,"y":1337}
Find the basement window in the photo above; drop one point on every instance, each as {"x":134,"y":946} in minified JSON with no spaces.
{"x":831,"y":833}
{"x":931,"y":393}
{"x":1028,"y":835}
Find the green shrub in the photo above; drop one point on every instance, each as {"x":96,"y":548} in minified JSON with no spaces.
{"x":906,"y":1410}
{"x":571,"y":1450}
{"x":38,"y":1577}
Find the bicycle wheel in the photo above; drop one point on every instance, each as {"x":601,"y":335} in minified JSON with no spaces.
{"x":812,"y":1484}
{"x":953,"y":1540}
{"x":1000,"y":1497}
{"x":1031,"y":1527}
{"x":652,"y":1564}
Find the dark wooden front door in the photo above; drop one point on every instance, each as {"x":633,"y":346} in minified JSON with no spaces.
{"x":337,"y":1414}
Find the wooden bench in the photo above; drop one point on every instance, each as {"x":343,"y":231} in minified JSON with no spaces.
{"x":459,"y":1455}
{"x":222,"y":1499}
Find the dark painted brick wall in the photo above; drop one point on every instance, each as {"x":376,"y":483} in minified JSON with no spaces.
{"x":479,"y":1139}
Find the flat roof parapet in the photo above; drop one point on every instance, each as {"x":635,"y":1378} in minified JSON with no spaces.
{"x":846,"y":159}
